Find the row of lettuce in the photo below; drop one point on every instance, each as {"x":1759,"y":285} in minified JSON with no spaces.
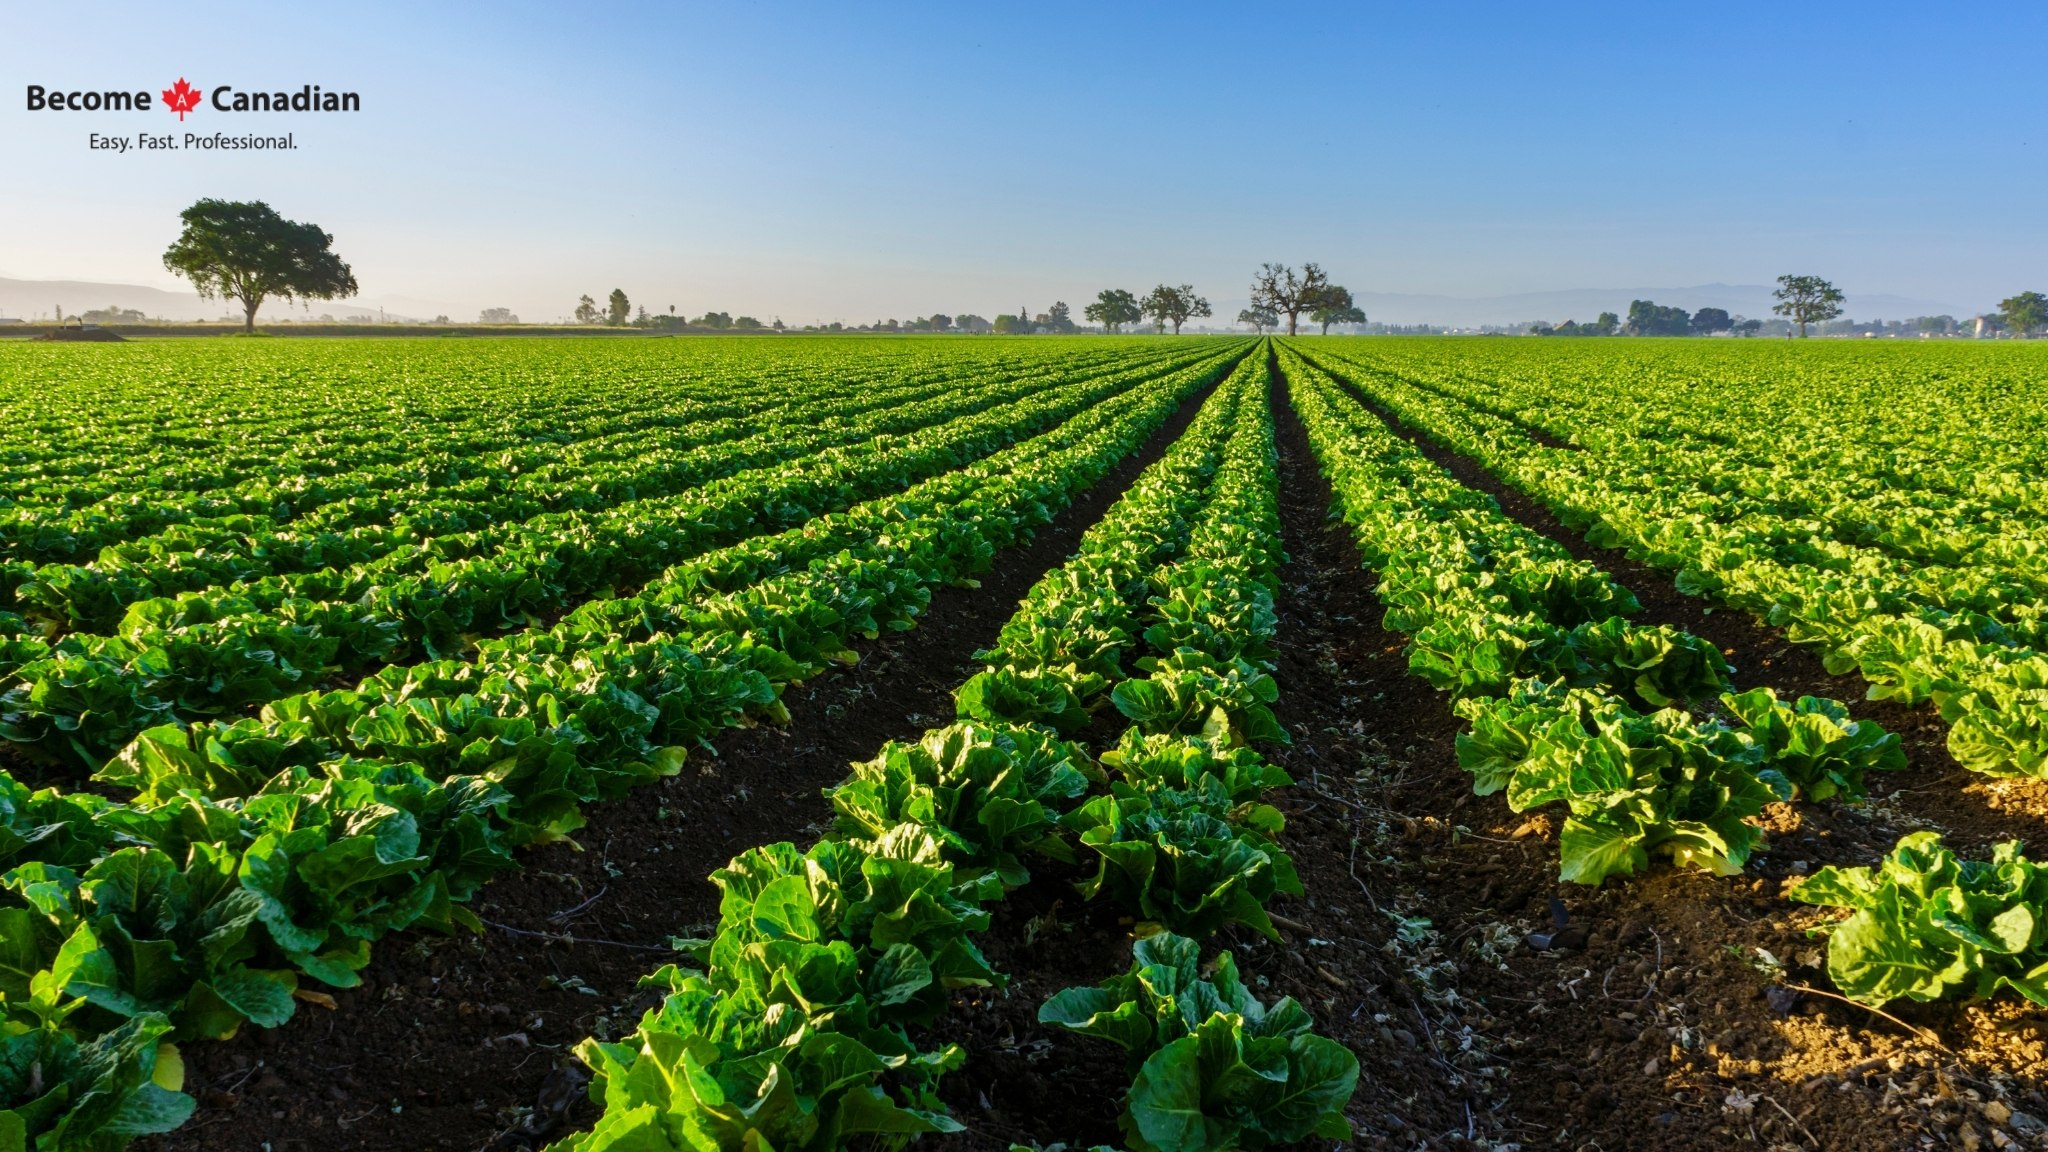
{"x":452,"y":488}
{"x":797,"y":1025}
{"x":259,"y":854}
{"x":226,"y":649}
{"x":1929,"y":455}
{"x":1636,"y":730}
{"x":446,"y":509}
{"x":1932,"y":594}
{"x":109,"y":451}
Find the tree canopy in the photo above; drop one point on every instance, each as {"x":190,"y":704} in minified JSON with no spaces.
{"x":1114,"y":308}
{"x":1604,"y":326}
{"x":1647,"y":318}
{"x":1336,"y":307}
{"x":1176,"y":306}
{"x":1806,"y":300}
{"x":245,"y":251}
{"x":2023,"y":313}
{"x":1278,"y":289}
{"x":617,"y":308}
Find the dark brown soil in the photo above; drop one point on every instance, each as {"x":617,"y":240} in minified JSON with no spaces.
{"x":1025,"y":1083}
{"x":1357,"y":719}
{"x":465,"y":1043}
{"x":1661,"y":1030}
{"x":1036,"y":1085}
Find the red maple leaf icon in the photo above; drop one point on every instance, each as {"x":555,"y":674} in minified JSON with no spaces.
{"x":183,"y":98}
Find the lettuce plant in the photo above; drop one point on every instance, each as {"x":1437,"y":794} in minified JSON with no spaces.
{"x":1188,"y":860}
{"x":1161,"y":760}
{"x":1814,"y":743}
{"x":1214,"y":610}
{"x":1190,"y":693}
{"x":1052,"y":696}
{"x":1212,"y":1067}
{"x":1633,"y":783}
{"x":987,"y":794}
{"x":1658,"y":666}
{"x":1928,"y":926}
{"x":791,"y":1036}
{"x":61,"y":1092}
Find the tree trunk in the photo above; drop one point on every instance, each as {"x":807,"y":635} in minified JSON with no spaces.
{"x":249,"y":308}
{"x":1290,"y":322}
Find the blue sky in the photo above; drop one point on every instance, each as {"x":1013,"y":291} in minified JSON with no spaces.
{"x":863,"y":161}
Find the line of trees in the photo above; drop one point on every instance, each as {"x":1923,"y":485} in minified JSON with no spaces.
{"x":1280,"y":291}
{"x":1804,"y":300}
{"x":965,"y":322}
{"x":1649,"y":318}
{"x":618,"y":312}
{"x":1114,"y":308}
{"x":246,"y":252}
{"x":1808,"y":300}
{"x":1607,"y":325}
{"x":1057,"y":320}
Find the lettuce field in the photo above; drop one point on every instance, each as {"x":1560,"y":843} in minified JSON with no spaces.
{"x":1175,"y":745}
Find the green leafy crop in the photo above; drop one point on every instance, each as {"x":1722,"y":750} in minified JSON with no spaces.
{"x":1814,"y":743}
{"x":1928,"y":926}
{"x":1214,"y":1069}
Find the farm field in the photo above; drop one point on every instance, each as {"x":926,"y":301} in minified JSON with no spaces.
{"x":1173,"y":744}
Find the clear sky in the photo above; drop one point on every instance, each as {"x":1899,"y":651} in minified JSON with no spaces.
{"x":853,"y":162}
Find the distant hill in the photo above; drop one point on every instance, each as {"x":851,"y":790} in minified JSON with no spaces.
{"x":31,"y":299}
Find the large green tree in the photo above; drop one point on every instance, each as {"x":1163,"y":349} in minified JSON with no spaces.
{"x":617,"y":308}
{"x":1280,"y":290}
{"x":1806,"y":300}
{"x":2024,"y":313}
{"x":1336,"y":306}
{"x":1648,"y":318}
{"x":1167,"y":304}
{"x":245,"y":251}
{"x":1114,"y":308}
